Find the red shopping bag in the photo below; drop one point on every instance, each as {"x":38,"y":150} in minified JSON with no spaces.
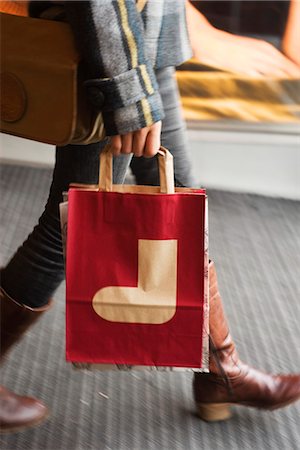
{"x":136,"y":272}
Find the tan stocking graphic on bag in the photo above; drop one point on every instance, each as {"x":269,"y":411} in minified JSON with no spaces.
{"x":153,"y":301}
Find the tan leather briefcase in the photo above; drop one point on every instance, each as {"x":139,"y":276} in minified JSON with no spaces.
{"x":42,"y":97}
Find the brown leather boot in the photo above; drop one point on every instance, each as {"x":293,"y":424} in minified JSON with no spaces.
{"x":16,"y":319}
{"x":17,"y":412}
{"x":230,"y":381}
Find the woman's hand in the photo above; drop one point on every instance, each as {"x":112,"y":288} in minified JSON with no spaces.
{"x":144,"y":142}
{"x":246,"y":56}
{"x":291,"y":37}
{"x":238,"y":54}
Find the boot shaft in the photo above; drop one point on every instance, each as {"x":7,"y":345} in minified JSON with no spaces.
{"x":16,"y":319}
{"x":222,"y":352}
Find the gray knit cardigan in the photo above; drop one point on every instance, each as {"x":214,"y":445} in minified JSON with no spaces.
{"x":121,"y":43}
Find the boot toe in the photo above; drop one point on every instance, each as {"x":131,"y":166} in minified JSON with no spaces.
{"x":19,"y":412}
{"x":288,"y":390}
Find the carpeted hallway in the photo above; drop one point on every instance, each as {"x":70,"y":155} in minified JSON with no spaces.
{"x":255,"y":242}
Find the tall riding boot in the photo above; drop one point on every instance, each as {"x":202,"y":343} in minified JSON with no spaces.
{"x":16,"y":318}
{"x":230,"y":381}
{"x":17,"y":412}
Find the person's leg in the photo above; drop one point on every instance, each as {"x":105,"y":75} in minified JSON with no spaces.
{"x":38,"y":264}
{"x":173,"y":137}
{"x":229,"y":380}
{"x":35,"y":271}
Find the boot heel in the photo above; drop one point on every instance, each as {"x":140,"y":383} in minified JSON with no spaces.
{"x":213,"y":412}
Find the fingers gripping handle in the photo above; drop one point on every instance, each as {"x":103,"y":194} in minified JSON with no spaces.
{"x":165,"y":163}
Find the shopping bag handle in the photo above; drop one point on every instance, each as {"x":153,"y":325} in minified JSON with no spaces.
{"x":165,"y":164}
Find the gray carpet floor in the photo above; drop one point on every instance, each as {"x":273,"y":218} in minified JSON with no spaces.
{"x":255,"y":244}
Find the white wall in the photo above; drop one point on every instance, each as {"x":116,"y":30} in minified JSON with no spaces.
{"x":263,"y":161}
{"x":16,"y":150}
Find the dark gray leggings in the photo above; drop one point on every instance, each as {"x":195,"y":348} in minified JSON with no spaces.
{"x":37,"y":269}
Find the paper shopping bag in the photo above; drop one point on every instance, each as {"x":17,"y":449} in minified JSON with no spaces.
{"x":136,"y":273}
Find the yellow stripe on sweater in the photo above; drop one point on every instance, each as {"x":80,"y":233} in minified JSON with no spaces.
{"x":146,"y":79}
{"x":147,"y":111}
{"x":128,"y":33}
{"x":134,"y":60}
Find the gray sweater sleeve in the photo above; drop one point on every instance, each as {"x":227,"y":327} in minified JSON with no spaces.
{"x":122,"y":84}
